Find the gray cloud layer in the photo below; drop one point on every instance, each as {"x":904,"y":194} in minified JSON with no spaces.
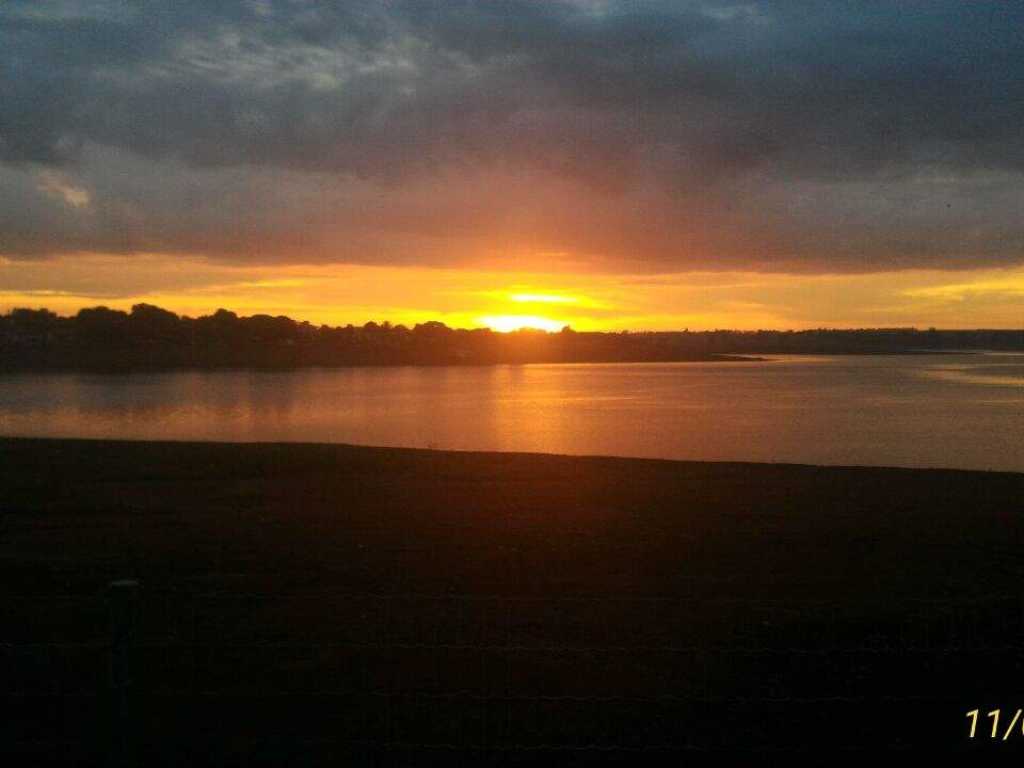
{"x":791,"y":135}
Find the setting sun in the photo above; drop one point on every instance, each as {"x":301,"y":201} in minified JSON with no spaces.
{"x":506,"y":323}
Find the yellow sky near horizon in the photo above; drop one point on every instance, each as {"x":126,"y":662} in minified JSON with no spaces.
{"x":467,"y":298}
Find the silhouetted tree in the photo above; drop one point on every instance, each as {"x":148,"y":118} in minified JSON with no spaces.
{"x":152,"y":337}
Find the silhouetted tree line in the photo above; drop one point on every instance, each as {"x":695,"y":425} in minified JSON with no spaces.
{"x":149,"y":337}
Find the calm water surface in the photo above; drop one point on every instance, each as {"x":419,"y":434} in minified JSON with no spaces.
{"x":964,"y":411}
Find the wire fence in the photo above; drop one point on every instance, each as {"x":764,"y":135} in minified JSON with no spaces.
{"x":244,"y":678}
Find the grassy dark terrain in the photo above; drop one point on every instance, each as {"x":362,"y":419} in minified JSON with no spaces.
{"x":328,"y":604}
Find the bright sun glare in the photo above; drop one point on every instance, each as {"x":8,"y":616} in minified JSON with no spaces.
{"x":506,"y":323}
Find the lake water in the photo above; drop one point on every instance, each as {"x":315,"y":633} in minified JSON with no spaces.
{"x":964,"y":411}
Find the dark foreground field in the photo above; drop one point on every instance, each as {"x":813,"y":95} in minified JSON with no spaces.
{"x":313,"y":604}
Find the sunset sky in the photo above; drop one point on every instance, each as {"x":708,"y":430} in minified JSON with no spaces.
{"x":604,"y":164}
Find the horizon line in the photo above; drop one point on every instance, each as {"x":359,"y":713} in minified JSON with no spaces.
{"x":387,"y":324}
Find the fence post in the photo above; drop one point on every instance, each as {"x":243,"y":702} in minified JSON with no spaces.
{"x":123,"y":604}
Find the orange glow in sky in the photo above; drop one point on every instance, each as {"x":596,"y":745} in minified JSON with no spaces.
{"x":543,"y":298}
{"x":507,"y":300}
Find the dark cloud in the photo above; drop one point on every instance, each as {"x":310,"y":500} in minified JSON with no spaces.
{"x":654,"y":135}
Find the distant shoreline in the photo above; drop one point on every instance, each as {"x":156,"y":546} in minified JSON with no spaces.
{"x":149,"y":338}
